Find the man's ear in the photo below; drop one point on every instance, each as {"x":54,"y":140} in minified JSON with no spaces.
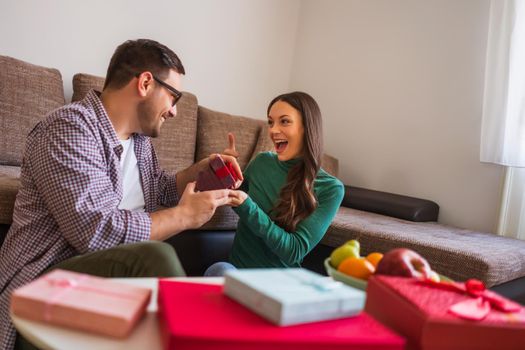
{"x":144,"y":83}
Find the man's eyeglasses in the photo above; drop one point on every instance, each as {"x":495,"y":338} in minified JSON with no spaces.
{"x":176,"y":93}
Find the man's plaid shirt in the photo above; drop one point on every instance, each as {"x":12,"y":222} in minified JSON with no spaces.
{"x":71,"y":186}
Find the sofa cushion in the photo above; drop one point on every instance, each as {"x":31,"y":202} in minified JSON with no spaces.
{"x":223,"y":219}
{"x":330,"y":164}
{"x":456,"y":253}
{"x":9,"y":185}
{"x":264,"y":143}
{"x":175,"y":146}
{"x":213,"y":128}
{"x":390,"y":204}
{"x":83,"y":82}
{"x":27,"y":93}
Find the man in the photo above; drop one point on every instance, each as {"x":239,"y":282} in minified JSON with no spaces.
{"x":91,"y":183}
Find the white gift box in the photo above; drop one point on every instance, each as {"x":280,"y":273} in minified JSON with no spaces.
{"x":292,"y":296}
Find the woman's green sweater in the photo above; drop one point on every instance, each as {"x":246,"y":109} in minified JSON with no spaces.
{"x":259,"y":241}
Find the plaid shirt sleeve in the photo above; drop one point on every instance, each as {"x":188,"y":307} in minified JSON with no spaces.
{"x":73,"y":176}
{"x":165,"y":185}
{"x":168,"y":195}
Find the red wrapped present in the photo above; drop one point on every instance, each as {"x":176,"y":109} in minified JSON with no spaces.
{"x":83,"y":302}
{"x":201,"y":316}
{"x":446,"y":315}
{"x":219,"y":175}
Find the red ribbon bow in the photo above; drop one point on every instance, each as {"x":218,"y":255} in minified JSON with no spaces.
{"x":226,"y":170}
{"x":482,"y":301}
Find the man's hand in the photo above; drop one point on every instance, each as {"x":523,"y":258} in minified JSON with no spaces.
{"x":193,"y":211}
{"x":199,"y":207}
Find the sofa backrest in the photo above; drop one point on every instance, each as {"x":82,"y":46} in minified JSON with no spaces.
{"x":27,"y":93}
{"x":213,"y":128}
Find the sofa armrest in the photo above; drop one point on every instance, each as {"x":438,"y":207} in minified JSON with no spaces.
{"x":390,"y":204}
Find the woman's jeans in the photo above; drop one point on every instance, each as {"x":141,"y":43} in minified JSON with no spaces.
{"x":219,"y":269}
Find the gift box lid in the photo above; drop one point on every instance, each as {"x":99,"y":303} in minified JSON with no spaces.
{"x":200,"y":316}
{"x":420,"y":311}
{"x":218,"y":175}
{"x":81,"y":301}
{"x":291,"y":296}
{"x":434,"y":303}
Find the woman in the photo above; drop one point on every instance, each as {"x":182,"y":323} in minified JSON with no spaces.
{"x":286,"y":201}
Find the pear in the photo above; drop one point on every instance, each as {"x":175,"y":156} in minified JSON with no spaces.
{"x":343,"y":252}
{"x":355,"y":243}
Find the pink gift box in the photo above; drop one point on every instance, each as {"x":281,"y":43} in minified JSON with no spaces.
{"x":82,"y":302}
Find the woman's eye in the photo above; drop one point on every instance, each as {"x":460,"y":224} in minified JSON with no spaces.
{"x":285,"y":121}
{"x":270,"y":122}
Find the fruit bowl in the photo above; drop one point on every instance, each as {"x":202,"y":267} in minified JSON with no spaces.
{"x":341,"y":277}
{"x":352,"y":281}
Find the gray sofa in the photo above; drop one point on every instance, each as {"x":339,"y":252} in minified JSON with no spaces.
{"x":380,"y":221}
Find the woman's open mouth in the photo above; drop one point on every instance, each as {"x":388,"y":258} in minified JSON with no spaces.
{"x":280,"y":146}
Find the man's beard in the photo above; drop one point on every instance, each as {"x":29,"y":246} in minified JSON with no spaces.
{"x":148,"y":121}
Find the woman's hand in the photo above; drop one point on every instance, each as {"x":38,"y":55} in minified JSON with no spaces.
{"x":231,"y":151}
{"x":237,"y":197}
{"x":230,"y":155}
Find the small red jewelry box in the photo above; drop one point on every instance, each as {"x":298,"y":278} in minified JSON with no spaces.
{"x":219,"y":175}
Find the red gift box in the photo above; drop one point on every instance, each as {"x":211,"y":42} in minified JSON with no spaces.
{"x":219,"y":175}
{"x":83,"y":302}
{"x":427,"y":313}
{"x":199,"y":316}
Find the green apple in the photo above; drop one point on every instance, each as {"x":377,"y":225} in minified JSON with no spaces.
{"x":354,"y":243}
{"x":343,"y":252}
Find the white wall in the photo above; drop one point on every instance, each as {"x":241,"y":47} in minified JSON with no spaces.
{"x":400,"y":84}
{"x":237,"y":54}
{"x":399,"y":81}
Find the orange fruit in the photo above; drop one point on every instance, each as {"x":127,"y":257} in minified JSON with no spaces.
{"x":357,"y":267}
{"x":374,"y":258}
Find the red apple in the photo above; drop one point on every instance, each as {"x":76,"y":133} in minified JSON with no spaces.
{"x":404,"y":262}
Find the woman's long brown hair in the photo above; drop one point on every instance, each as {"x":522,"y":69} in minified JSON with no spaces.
{"x":296,"y":199}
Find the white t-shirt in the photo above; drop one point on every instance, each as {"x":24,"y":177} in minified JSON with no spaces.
{"x":133,"y":196}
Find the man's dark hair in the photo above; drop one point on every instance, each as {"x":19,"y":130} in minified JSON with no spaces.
{"x":136,"y":56}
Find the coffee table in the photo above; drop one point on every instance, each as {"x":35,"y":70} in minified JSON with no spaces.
{"x":144,"y":336}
